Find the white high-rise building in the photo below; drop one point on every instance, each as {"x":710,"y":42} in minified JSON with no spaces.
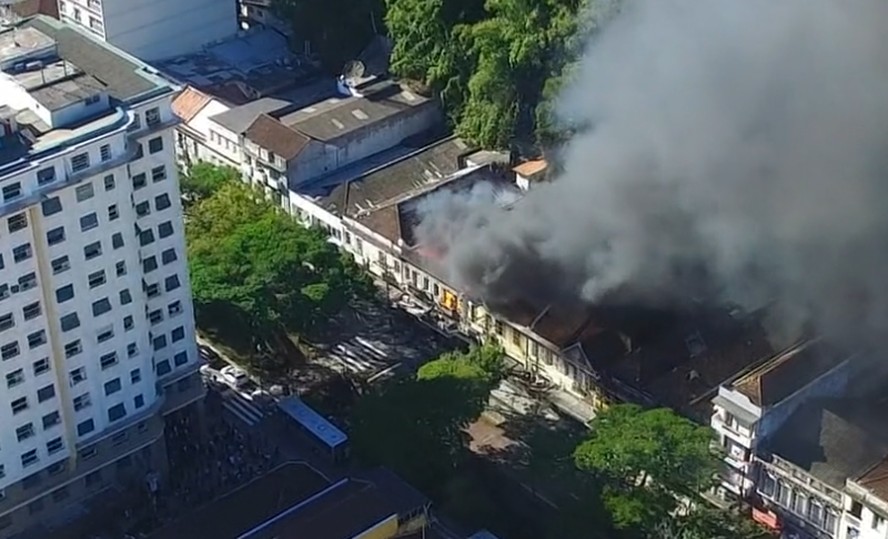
{"x":154,"y":29}
{"x":97,"y":336}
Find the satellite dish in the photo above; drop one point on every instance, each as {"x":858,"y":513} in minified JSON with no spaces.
{"x":353,"y":71}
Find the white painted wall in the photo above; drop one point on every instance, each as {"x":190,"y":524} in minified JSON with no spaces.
{"x":157,"y":29}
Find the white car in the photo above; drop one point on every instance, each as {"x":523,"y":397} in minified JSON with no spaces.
{"x":234,"y":376}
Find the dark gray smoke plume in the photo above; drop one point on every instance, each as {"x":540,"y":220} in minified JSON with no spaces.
{"x":738,"y":153}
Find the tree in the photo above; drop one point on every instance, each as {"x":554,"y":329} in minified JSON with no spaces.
{"x":648,"y":461}
{"x":337,"y":29}
{"x":416,"y":425}
{"x":202,"y":179}
{"x":254,"y":268}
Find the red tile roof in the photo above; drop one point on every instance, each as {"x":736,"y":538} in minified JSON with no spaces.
{"x":189,"y":103}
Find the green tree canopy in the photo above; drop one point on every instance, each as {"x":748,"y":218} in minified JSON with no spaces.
{"x":337,"y":29}
{"x":202,"y":179}
{"x":416,"y":425}
{"x":258,"y":269}
{"x":648,"y":460}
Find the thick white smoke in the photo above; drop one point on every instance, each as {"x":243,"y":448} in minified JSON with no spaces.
{"x":738,"y":152}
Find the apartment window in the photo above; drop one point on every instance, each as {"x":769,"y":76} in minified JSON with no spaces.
{"x":60,"y":265}
{"x":180,"y":359}
{"x":155,"y":317}
{"x":830,"y":520}
{"x":168,"y":256}
{"x":160,"y":342}
{"x":878,"y":521}
{"x":70,"y":321}
{"x":31,"y":311}
{"x":118,"y":411}
{"x":162,"y":202}
{"x":92,"y":250}
{"x":152,"y":116}
{"x":137,"y":121}
{"x":108,"y":360}
{"x":815,"y":511}
{"x":22,"y":252}
{"x":19,"y":405}
{"x":101,"y":307}
{"x":78,"y":375}
{"x":41,"y":366}
{"x":56,"y":235}
{"x":117,"y":240}
{"x":119,"y":438}
{"x":38,"y":338}
{"x":51,"y":206}
{"x":143,"y":209}
{"x":46,"y":175}
{"x":1,"y":262}
{"x":27,"y":282}
{"x":29,"y":458}
{"x":139,"y":181}
{"x":158,"y":174}
{"x":155,"y":145}
{"x":64,"y":293}
{"x":149,"y":264}
{"x":171,"y":283}
{"x":146,"y":237}
{"x":45,"y":393}
{"x":113,"y":212}
{"x":51,"y":419}
{"x":84,"y":192}
{"x":132,"y":349}
{"x":89,"y":453}
{"x":110,"y":183}
{"x":165,"y":230}
{"x":89,"y":222}
{"x":112,"y":387}
{"x":105,"y":334}
{"x":163,"y":367}
{"x":174,"y":308}
{"x":17,"y":222}
{"x":9,"y":350}
{"x":125,"y":297}
{"x":15,"y":378}
{"x":105,"y":149}
{"x":82,"y":402}
{"x":24,"y":432}
{"x":12,"y":191}
{"x":152,"y":290}
{"x":4,"y":291}
{"x":177,"y":334}
{"x":135,"y":376}
{"x":139,"y":401}
{"x":128,"y":323}
{"x":6,"y":321}
{"x":80,"y":162}
{"x":96,"y":278}
{"x":120,"y":268}
{"x":73,"y":348}
{"x":54,"y":446}
{"x":85,"y":427}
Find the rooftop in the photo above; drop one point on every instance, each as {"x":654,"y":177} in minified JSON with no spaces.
{"x":296,"y":501}
{"x":189,"y":103}
{"x":531,"y":168}
{"x":338,"y":116}
{"x":789,"y":372}
{"x":256,"y":502}
{"x":47,"y":67}
{"x":125,"y":77}
{"x":835,"y":439}
{"x":347,"y":510}
{"x":29,"y":8}
{"x":244,"y":68}
{"x":276,"y":137}
{"x":421,"y":168}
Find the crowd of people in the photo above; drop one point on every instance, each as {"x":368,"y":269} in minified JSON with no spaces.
{"x":210,"y":459}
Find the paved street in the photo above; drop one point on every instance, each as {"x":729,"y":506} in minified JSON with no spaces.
{"x":373,"y":339}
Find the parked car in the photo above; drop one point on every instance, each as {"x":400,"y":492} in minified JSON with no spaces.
{"x":234,"y":376}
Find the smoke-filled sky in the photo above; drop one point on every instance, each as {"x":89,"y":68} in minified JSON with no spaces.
{"x":739,"y":153}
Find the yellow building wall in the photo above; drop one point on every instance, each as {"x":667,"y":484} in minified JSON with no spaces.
{"x":386,"y":529}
